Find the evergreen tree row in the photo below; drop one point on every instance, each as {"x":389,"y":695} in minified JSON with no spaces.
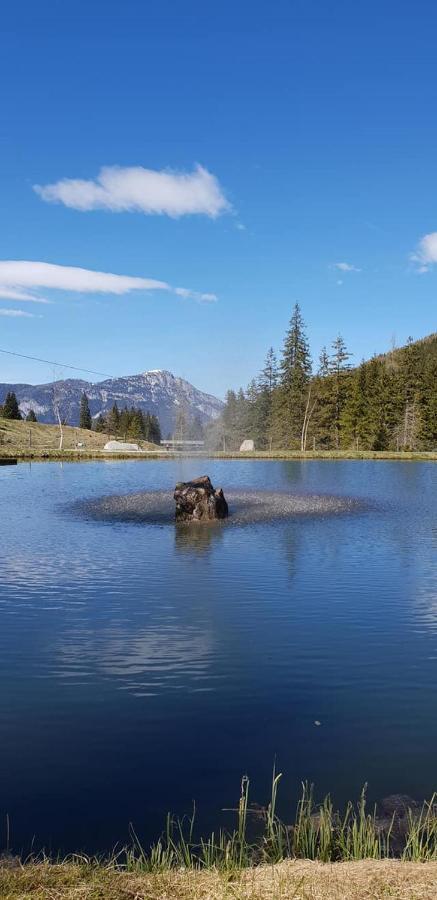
{"x":386,"y":403}
{"x":130,"y":424}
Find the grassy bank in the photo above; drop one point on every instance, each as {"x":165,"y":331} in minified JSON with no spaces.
{"x":33,"y":440}
{"x":322,"y":854}
{"x":330,"y":454}
{"x":289,"y":880}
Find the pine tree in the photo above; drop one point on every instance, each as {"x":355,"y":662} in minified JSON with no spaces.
{"x":267,"y":384}
{"x":155,"y":430}
{"x":101,"y":425}
{"x":181,"y":425}
{"x":353,"y":415}
{"x":323,"y":369}
{"x":269,"y":376}
{"x":295,"y":376}
{"x":253,"y":419}
{"x":321,"y":422}
{"x":230,"y":421}
{"x":114,"y":420}
{"x":124,"y":422}
{"x":135,"y":427}
{"x":338,"y":367}
{"x":31,"y":417}
{"x":196,"y":431}
{"x":85,"y":420}
{"x":428,"y":407}
{"x":10,"y":407}
{"x":411,"y":376}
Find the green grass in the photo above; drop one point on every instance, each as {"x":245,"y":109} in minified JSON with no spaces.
{"x":271,"y":860}
{"x":329,"y":454}
{"x":317,"y":832}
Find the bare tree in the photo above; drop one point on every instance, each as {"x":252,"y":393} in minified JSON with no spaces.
{"x":309,"y":409}
{"x":60,"y":404}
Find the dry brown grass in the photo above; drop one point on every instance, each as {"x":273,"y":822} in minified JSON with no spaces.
{"x":29,"y":439}
{"x":291,"y":880}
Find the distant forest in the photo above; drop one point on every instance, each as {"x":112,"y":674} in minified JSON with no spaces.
{"x":386,"y":403}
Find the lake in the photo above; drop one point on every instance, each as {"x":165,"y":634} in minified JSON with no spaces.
{"x":143,"y":666}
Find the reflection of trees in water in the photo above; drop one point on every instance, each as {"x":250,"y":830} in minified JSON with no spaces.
{"x":294,"y":471}
{"x":197,"y":538}
{"x":292,"y":544}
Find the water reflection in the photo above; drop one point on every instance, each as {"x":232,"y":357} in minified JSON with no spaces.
{"x":144,"y":663}
{"x":197,"y":538}
{"x":156,"y":658}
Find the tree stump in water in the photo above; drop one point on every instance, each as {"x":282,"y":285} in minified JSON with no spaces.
{"x":198,"y":501}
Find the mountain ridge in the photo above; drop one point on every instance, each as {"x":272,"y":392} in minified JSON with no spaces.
{"x":157,"y":391}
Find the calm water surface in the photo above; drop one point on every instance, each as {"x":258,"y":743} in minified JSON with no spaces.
{"x":143,"y":667}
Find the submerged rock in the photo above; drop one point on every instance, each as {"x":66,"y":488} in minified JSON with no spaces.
{"x":399,"y":805}
{"x":198,"y":501}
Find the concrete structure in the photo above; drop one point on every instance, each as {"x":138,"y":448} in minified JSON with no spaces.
{"x":120,"y":446}
{"x":247,"y":446}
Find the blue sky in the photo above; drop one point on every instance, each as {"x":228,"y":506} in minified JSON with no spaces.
{"x":315,"y":124}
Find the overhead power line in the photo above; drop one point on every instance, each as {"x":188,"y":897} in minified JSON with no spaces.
{"x":50,"y":362}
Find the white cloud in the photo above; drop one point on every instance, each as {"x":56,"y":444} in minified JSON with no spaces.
{"x":345,"y":267}
{"x":9,"y":293}
{"x":425,"y":255}
{"x":135,"y":189}
{"x":19,"y":279}
{"x":31,"y":275}
{"x":16,"y":314}
{"x":195,"y":295}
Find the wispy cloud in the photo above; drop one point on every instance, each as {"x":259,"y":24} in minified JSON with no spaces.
{"x":9,"y":293}
{"x":16,"y":314}
{"x":345,"y":267}
{"x":195,"y":295}
{"x":425,"y":255}
{"x":135,"y":189}
{"x":19,"y":279}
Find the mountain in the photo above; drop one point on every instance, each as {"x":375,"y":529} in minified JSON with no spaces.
{"x":158,"y":392}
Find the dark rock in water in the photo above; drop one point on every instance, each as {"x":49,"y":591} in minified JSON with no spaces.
{"x":399,"y":810}
{"x":399,"y":804}
{"x":198,"y":501}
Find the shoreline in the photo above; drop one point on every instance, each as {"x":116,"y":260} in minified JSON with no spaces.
{"x":289,"y":880}
{"x":72,"y":455}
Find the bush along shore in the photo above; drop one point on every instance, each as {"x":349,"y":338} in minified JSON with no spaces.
{"x":254,"y":856}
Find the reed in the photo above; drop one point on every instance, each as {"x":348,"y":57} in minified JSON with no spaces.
{"x":318,"y":832}
{"x":421,"y":838}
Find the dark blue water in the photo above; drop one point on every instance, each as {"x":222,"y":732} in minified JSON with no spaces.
{"x":142,"y":667}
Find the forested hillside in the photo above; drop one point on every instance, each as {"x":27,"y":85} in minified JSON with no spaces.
{"x":386,"y":403}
